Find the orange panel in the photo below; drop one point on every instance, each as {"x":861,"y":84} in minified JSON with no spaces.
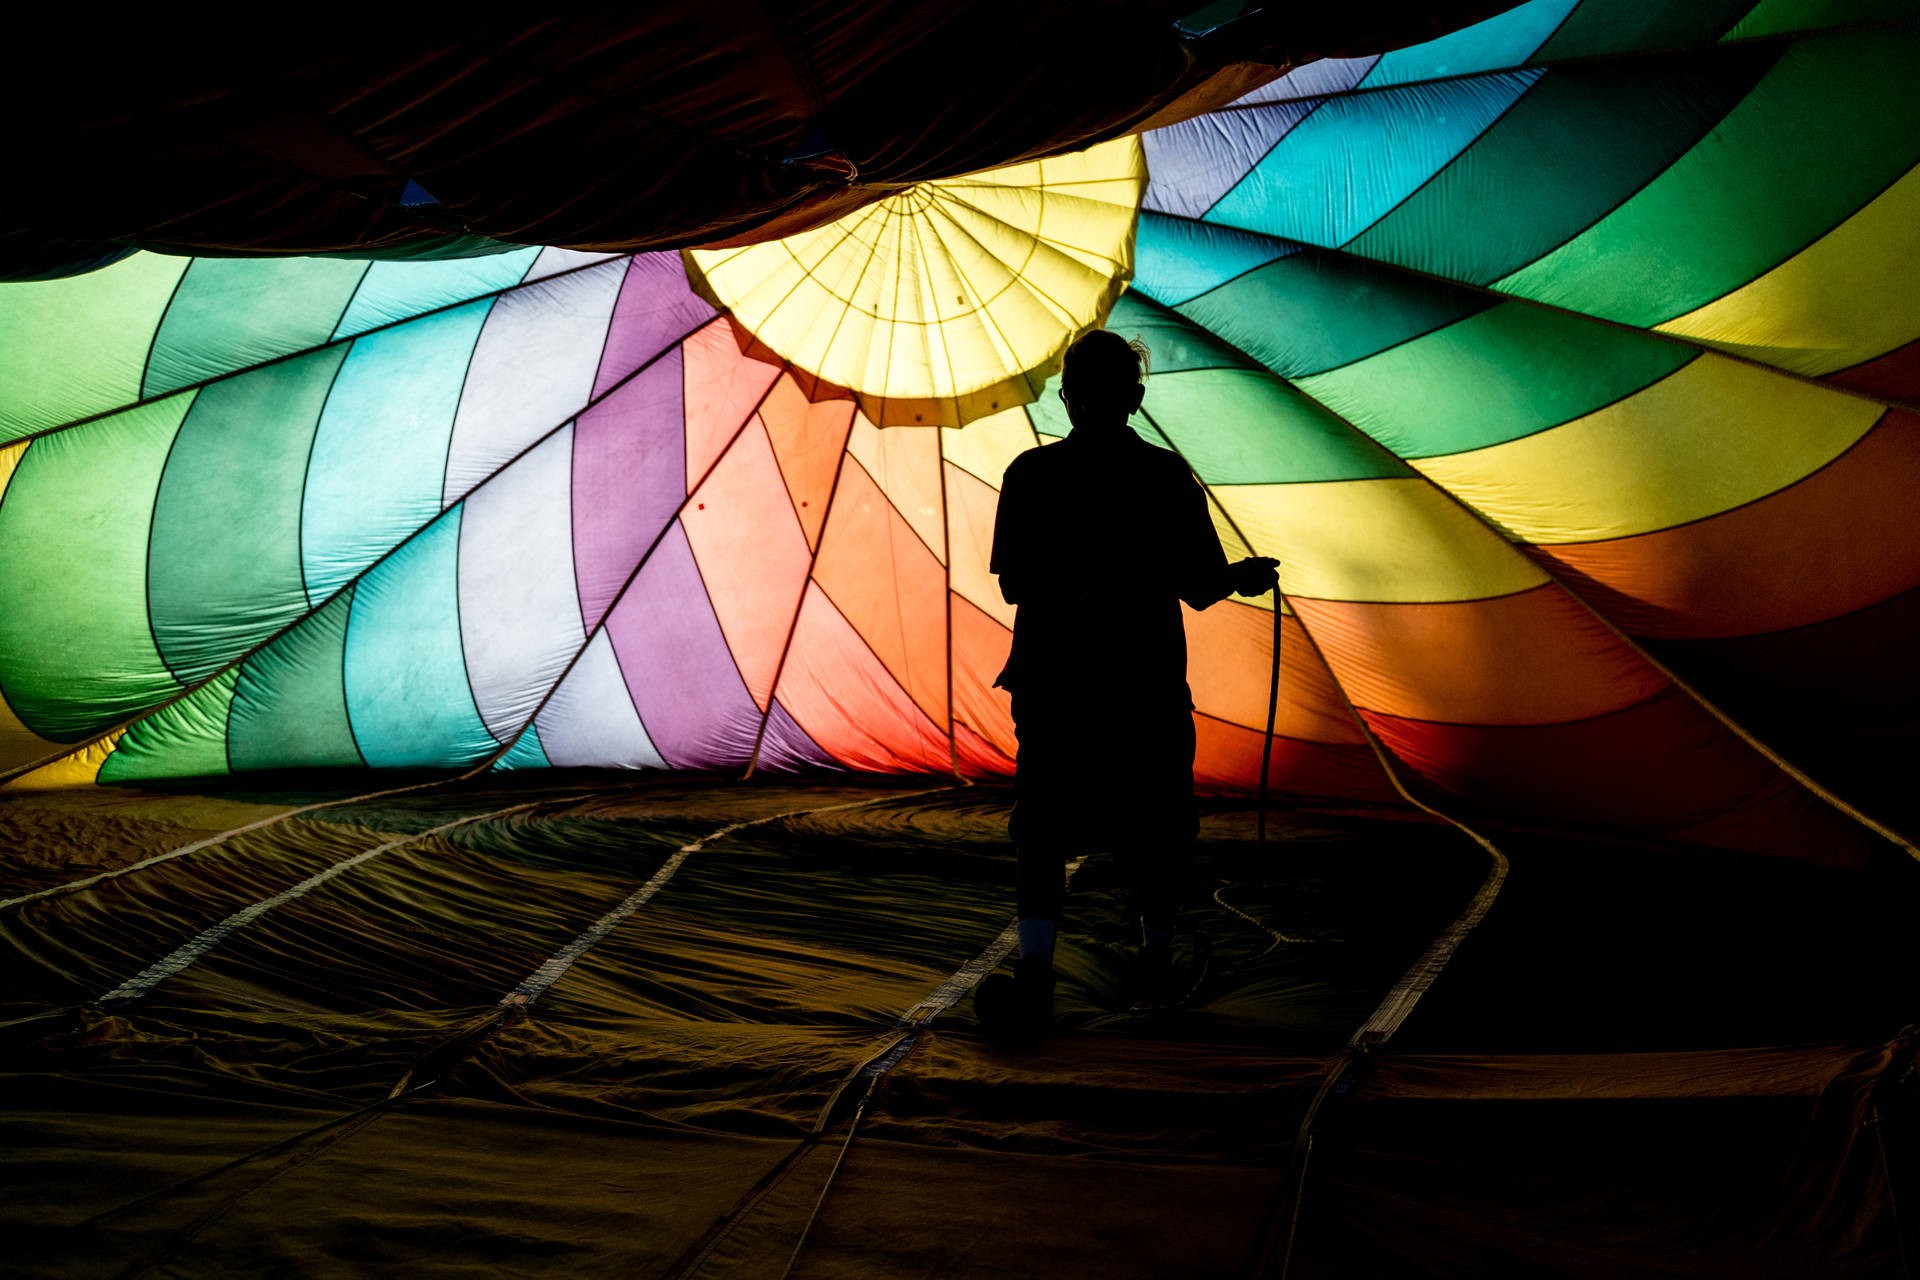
{"x":1846,"y":537}
{"x":971,"y":506}
{"x":1534,"y":657}
{"x":838,"y":692}
{"x":1230,"y":665}
{"x":1226,"y":760}
{"x":722,"y":389}
{"x":808,"y":438}
{"x":881,"y":576}
{"x":979,"y":652}
{"x":752,"y":555}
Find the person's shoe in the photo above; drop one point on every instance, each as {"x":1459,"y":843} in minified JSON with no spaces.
{"x":1017,"y":1007}
{"x":1170,"y":976}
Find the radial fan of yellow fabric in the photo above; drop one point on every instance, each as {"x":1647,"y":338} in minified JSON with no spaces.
{"x":951,"y":300}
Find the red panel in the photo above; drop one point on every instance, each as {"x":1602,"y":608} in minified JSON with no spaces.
{"x":838,"y":692}
{"x":1663,"y":771}
{"x":1843,"y":538}
{"x":978,"y":757}
{"x":1534,"y":657}
{"x":1227,"y":761}
{"x":1893,"y":376}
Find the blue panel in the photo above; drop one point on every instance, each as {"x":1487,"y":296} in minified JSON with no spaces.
{"x":1353,"y":160}
{"x":381,"y":450}
{"x":527,"y":753}
{"x":1175,"y":259}
{"x":407,"y":694}
{"x":1500,"y":42}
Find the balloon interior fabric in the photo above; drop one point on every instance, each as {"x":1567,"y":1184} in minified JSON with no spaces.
{"x":1568,"y":363}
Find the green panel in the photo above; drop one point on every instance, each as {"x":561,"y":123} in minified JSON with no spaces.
{"x":1771,"y":16}
{"x":231,"y":313}
{"x":1317,"y":311}
{"x":1047,"y":414}
{"x":1174,"y":343}
{"x":185,"y":740}
{"x":1497,"y":376}
{"x":1582,"y":140}
{"x":1833,"y":124}
{"x":1236,"y":427}
{"x":73,"y":348}
{"x":1615,"y":26}
{"x":224,"y":568}
{"x":76,"y":654}
{"x":290,"y":709}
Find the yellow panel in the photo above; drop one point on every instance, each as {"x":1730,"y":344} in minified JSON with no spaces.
{"x":1394,"y":540}
{"x":952,"y":299}
{"x":985,"y":446}
{"x":1851,"y":295}
{"x":1712,"y":436}
{"x":76,"y":769}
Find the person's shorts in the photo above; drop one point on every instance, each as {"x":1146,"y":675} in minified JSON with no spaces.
{"x":1106,"y":772}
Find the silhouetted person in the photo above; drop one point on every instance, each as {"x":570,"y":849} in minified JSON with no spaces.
{"x":1097,"y":541}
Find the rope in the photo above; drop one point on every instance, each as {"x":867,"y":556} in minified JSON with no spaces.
{"x":1273,"y":710}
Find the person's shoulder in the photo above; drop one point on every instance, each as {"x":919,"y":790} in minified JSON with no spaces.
{"x":1037,"y":459}
{"x":1165,"y":463}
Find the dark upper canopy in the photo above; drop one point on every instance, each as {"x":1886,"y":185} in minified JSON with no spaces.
{"x":682,"y":122}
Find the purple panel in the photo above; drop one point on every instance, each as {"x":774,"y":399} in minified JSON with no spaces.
{"x":655,"y":311}
{"x":688,"y":692}
{"x":787,"y":745}
{"x":1197,"y":161}
{"x":629,"y":477}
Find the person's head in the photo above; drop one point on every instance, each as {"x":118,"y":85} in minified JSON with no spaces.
{"x":1103,"y":378}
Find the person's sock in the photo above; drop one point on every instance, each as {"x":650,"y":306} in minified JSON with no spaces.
{"x":1036,"y":936}
{"x":1151,"y":938}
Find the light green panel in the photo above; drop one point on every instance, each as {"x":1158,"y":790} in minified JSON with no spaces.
{"x":232,"y":313}
{"x":76,"y":654}
{"x":1236,"y":427}
{"x":73,"y":348}
{"x":224,"y":566}
{"x":185,"y":740}
{"x":1835,"y":122}
{"x":1772,"y":16}
{"x":1496,"y":376}
{"x":290,"y":707}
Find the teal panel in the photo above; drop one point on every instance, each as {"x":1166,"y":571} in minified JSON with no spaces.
{"x":1350,"y":162}
{"x":1175,"y":259}
{"x":76,"y":654}
{"x":1504,"y":40}
{"x":185,"y":740}
{"x":407,"y":692}
{"x":1497,"y":376}
{"x":400,"y":290}
{"x":1240,"y":427}
{"x":380,"y":455}
{"x":1582,"y":140}
{"x":1317,"y":311}
{"x":1832,"y":125}
{"x":223,"y":570}
{"x":1047,"y":414}
{"x":527,"y":752}
{"x":232,"y":313}
{"x":290,"y":706}
{"x":1615,"y":26}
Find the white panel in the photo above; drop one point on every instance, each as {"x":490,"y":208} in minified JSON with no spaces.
{"x":532,"y":369}
{"x":591,"y":720}
{"x":553,"y":261}
{"x":519,"y":613}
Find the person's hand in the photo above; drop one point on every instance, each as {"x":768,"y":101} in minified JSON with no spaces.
{"x":1254,"y":576}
